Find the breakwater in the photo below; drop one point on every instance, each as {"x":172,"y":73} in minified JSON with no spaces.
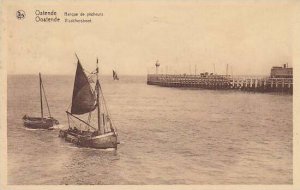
{"x":223,"y":82}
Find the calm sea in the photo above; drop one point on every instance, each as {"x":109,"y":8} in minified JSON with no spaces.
{"x":168,"y":136}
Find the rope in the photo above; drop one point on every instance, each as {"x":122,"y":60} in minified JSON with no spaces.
{"x":46,"y":99}
{"x":107,"y":109}
{"x":69,"y":106}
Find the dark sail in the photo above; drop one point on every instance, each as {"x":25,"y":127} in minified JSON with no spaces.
{"x":83,"y":100}
{"x":115,"y":76}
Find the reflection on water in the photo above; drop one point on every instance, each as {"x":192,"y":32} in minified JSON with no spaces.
{"x":168,"y":136}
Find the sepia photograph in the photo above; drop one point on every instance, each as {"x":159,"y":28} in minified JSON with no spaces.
{"x":194,"y":93}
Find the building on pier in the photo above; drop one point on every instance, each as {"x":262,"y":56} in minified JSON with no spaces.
{"x":282,"y":72}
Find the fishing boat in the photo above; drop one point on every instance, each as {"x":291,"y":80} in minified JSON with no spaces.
{"x":115,"y":75}
{"x":40,"y":122}
{"x":89,"y":122}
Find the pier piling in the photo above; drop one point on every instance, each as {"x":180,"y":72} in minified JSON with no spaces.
{"x":223,"y":82}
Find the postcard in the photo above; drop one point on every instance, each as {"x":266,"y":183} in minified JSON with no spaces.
{"x":156,"y":94}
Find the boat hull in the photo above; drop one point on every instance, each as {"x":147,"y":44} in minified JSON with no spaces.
{"x":108,"y":140}
{"x":39,"y":123}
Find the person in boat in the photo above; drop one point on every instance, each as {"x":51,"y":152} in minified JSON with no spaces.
{"x":25,"y":116}
{"x":95,"y":133}
{"x":75,"y":130}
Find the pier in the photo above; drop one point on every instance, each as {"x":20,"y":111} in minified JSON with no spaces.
{"x":223,"y":82}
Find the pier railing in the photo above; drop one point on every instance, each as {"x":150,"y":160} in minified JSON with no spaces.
{"x":246,"y":83}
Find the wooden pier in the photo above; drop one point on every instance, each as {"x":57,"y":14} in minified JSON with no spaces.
{"x":223,"y":82}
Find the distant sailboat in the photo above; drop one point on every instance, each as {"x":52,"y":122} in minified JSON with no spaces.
{"x":40,"y":122}
{"x":115,"y":75}
{"x":85,"y":102}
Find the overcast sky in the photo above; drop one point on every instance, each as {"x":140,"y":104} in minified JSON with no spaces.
{"x":250,"y":37}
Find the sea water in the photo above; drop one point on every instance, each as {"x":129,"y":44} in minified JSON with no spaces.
{"x":167,"y":136}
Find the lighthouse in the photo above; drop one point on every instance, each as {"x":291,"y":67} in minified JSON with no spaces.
{"x":157,"y":65}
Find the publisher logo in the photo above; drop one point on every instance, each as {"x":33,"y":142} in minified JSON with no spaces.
{"x":20,"y":14}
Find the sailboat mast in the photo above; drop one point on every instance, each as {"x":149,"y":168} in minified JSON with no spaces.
{"x":41,"y":96}
{"x":98,"y":102}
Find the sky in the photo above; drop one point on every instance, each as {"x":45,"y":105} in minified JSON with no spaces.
{"x":249,"y":36}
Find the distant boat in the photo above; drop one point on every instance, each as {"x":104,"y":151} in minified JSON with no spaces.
{"x":115,"y":75}
{"x":87,"y":101}
{"x":40,"y":122}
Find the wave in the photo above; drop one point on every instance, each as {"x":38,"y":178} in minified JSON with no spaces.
{"x":30,"y":129}
{"x":60,"y":126}
{"x":71,"y":145}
